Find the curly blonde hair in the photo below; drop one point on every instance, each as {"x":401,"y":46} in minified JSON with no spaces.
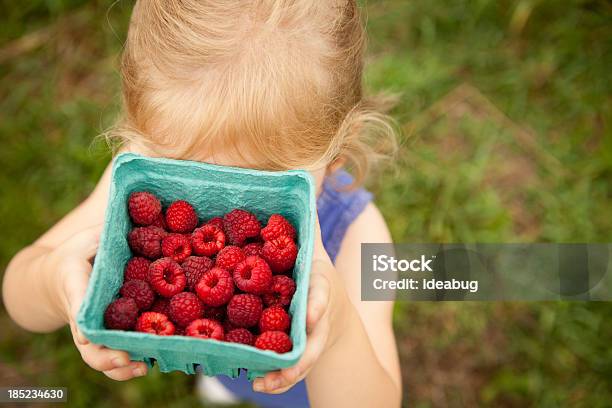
{"x":279,"y":83}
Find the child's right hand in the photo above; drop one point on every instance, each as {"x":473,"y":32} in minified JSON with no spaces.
{"x":72,"y":263}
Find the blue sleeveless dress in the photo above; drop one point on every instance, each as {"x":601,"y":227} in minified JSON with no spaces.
{"x":337,"y":209}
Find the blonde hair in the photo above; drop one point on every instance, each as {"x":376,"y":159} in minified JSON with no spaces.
{"x":278,"y":83}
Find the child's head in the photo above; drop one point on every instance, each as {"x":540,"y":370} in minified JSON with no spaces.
{"x":265,"y":84}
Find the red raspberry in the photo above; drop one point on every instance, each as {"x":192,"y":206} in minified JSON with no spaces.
{"x":216,"y":287}
{"x":240,"y":225}
{"x":161,"y":305}
{"x":281,"y":291}
{"x":216,"y":221}
{"x":194,"y":267}
{"x":253,"y":275}
{"x":244,"y":310}
{"x":144,"y":208}
{"x":229,"y":257}
{"x":185,"y":307}
{"x":240,"y":335}
{"x":121,"y":314}
{"x":155,"y":323}
{"x":140,"y":291}
{"x":274,"y":318}
{"x":146,"y":241}
{"x":215,"y":313}
{"x":207,"y":240}
{"x":181,"y":217}
{"x":167,"y":277}
{"x":136,"y":268}
{"x":280,"y":253}
{"x":274,"y":340}
{"x":254,"y":248}
{"x":176,"y":246}
{"x":277,"y":226}
{"x":205,"y":329}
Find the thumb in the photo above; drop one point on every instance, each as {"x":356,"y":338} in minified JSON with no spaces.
{"x":75,"y":286}
{"x":84,"y":244}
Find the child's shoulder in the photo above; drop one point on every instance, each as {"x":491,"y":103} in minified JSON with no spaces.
{"x":368,"y":227}
{"x":348,"y":216}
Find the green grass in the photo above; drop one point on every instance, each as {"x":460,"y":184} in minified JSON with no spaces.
{"x":506,"y":110}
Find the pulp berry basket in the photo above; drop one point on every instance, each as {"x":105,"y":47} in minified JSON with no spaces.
{"x":213,"y":191}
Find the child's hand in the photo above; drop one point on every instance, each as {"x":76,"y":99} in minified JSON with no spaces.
{"x":327,"y":300}
{"x":71,"y":261}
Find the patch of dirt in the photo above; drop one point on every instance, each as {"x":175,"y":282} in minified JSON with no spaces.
{"x":448,"y":364}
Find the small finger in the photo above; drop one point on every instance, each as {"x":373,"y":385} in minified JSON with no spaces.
{"x":77,"y":335}
{"x":280,"y":381}
{"x":259,"y":385}
{"x":102,"y":359}
{"x":135,"y":369}
{"x":272,"y":381}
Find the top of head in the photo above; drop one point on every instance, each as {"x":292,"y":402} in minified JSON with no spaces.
{"x":275,"y":83}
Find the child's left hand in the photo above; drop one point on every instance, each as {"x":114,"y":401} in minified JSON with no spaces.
{"x":327,"y":300}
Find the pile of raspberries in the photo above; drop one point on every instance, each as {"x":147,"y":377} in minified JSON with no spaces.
{"x":227,"y":279}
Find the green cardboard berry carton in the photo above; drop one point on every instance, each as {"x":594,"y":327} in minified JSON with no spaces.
{"x":213,"y":191}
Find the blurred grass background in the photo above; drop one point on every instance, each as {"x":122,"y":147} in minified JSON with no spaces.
{"x":506,"y":109}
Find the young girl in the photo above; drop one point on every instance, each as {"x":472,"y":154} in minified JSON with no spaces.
{"x":261,"y":84}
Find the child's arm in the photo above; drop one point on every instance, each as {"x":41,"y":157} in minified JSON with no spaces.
{"x":44,"y":283}
{"x":351,"y":357}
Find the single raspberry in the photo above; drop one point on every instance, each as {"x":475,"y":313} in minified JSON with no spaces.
{"x":216,"y":287}
{"x":215,"y":313}
{"x":161,"y":305}
{"x":216,"y":221}
{"x":155,"y":323}
{"x":140,"y":291}
{"x":281,"y":291}
{"x":207,"y":240}
{"x":194,"y":267}
{"x":277,"y":226}
{"x":185,"y":307}
{"x":229,"y":257}
{"x":205,"y":329}
{"x":254,"y":248}
{"x":146,"y":241}
{"x":144,"y":208}
{"x":181,"y":217}
{"x":240,"y":225}
{"x":167,"y":277}
{"x":240,"y":335}
{"x":121,"y":314}
{"x":280,"y":253}
{"x":274,"y":318}
{"x":136,"y":268}
{"x":253,"y":275}
{"x":176,"y":246}
{"x":274,"y":340}
{"x":244,"y":310}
